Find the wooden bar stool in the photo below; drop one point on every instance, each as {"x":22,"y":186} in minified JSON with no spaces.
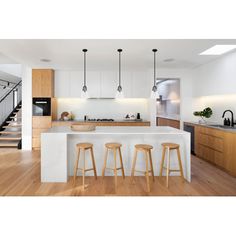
{"x":146,"y":150}
{"x":169,"y":147}
{"x":113,"y":147}
{"x":82,"y":147}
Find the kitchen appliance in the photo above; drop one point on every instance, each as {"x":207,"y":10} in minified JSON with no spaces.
{"x":41,"y":106}
{"x":190,"y":129}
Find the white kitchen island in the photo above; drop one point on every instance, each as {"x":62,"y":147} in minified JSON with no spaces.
{"x":58,"y":149}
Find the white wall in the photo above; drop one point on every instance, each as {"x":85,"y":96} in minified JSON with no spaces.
{"x":215,"y":86}
{"x":12,"y":69}
{"x":26,"y":108}
{"x":104,"y":108}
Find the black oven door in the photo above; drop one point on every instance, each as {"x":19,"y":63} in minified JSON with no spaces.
{"x":41,"y":106}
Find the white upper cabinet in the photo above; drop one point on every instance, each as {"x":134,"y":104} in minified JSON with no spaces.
{"x":102,"y":84}
{"x":141,"y":87}
{"x":126,"y":83}
{"x":62,"y":84}
{"x":109,"y":84}
{"x":76,"y":84}
{"x":94,"y":84}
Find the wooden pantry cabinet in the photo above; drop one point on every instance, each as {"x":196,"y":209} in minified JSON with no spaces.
{"x":39,"y":125}
{"x":216,"y":146}
{"x":42,"y":83}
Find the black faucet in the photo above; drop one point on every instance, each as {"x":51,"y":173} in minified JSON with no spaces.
{"x":232,"y":117}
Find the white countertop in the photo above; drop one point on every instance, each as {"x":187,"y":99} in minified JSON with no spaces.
{"x":119,"y":130}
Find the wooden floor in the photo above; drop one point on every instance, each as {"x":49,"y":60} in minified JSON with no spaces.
{"x":20,"y":176}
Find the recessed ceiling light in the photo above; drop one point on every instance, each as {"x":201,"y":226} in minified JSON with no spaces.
{"x":218,"y":50}
{"x":169,"y":60}
{"x":45,"y":60}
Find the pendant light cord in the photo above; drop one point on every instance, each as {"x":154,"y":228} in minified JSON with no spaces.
{"x":85,"y":50}
{"x":154,"y":50}
{"x":119,"y":50}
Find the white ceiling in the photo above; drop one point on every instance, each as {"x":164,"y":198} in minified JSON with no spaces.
{"x":102,"y":54}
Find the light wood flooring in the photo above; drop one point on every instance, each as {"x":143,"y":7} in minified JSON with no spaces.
{"x":20,"y":176}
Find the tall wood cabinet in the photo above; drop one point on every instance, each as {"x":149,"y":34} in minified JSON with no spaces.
{"x":42,"y":83}
{"x":42,"y":86}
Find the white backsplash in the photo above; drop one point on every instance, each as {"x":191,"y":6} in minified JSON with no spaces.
{"x":103,"y":108}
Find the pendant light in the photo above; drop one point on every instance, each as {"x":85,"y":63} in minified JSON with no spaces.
{"x":154,"y":93}
{"x":84,"y":93}
{"x":119,"y":93}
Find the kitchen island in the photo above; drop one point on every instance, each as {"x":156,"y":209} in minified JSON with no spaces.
{"x":58,"y":149}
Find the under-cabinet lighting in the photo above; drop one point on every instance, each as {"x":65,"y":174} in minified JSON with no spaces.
{"x":218,"y":49}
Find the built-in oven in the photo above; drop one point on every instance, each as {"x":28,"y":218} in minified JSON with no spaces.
{"x":41,"y":106}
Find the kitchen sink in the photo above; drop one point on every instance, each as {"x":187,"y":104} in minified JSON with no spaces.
{"x":223,"y":126}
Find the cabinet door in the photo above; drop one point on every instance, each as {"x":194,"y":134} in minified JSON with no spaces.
{"x":36,"y":83}
{"x":42,"y":83}
{"x":140,"y":85}
{"x":127,"y":84}
{"x":47,"y":83}
{"x":76,"y":84}
{"x":93,"y":84}
{"x":62,"y":84}
{"x":109,"y":84}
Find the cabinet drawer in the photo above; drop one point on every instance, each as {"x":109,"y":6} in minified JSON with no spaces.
{"x":36,"y":142}
{"x":211,"y":131}
{"x":37,"y":132}
{"x":211,"y":155}
{"x":213,"y":142}
{"x":42,"y":122}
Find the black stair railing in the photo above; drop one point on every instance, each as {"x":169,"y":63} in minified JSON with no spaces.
{"x":9,"y":101}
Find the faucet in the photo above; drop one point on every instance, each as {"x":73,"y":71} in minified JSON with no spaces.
{"x":232,"y":117}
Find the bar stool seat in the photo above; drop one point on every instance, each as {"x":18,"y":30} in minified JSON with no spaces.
{"x":115,"y":147}
{"x":82,"y":147}
{"x":143,"y":147}
{"x":146,"y":150}
{"x":169,"y":147}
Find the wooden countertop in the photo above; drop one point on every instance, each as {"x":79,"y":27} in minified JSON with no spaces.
{"x":103,"y":123}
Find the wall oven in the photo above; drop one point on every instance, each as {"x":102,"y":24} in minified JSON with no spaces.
{"x":41,"y":106}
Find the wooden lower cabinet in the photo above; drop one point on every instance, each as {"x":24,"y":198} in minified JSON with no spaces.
{"x":39,"y":124}
{"x":216,"y":146}
{"x":167,"y":122}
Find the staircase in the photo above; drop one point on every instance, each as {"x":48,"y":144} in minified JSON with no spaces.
{"x":10,"y":116}
{"x":10,"y":130}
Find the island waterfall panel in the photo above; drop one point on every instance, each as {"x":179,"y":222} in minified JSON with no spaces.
{"x":58,"y":149}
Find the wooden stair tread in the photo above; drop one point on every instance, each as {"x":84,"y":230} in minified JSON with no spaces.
{"x":7,"y":138}
{"x":10,"y":132}
{"x":12,"y":126}
{"x":9,"y":144}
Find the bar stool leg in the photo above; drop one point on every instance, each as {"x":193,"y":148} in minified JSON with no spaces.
{"x":84,"y":170}
{"x":76,"y":165}
{"x":180,"y":163}
{"x":93,"y":162}
{"x":150,"y":158}
{"x":105,"y":163}
{"x":147,"y":172}
{"x":121,"y":163}
{"x":162,"y":160}
{"x":133,"y":165}
{"x":168,"y":167}
{"x":115,"y":170}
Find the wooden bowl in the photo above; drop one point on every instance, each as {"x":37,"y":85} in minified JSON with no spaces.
{"x":88,"y":127}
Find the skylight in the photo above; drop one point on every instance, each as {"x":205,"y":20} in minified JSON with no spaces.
{"x":218,"y":50}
